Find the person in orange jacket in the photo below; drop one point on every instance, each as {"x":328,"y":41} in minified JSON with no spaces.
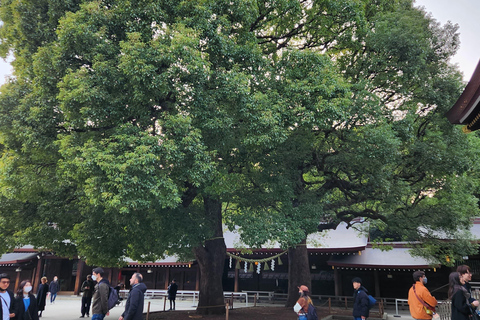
{"x":417,"y":294}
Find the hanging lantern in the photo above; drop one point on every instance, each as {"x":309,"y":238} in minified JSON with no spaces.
{"x":237,"y":265}
{"x":266,"y":268}
{"x":280,"y":263}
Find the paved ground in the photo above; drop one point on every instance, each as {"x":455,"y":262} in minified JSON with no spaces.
{"x":68,"y":308}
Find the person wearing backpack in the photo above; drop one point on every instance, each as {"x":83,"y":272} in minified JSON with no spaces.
{"x":100,"y":295}
{"x":304,"y":306}
{"x":361,"y":303}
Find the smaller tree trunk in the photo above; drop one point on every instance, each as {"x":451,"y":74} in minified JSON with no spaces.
{"x":298,"y":272}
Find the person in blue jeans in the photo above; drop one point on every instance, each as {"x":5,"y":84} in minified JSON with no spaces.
{"x":100,"y":295}
{"x":360,"y":300}
{"x":54,"y":288}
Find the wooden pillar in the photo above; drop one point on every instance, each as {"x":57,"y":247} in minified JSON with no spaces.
{"x":32,"y":278}
{"x":38,"y":275}
{"x":197,"y":280}
{"x":235,"y":286}
{"x":155,"y":275}
{"x":338,"y":282}
{"x":78,"y":278}
{"x":377,"y":283}
{"x":17,"y":281}
{"x":183,"y":280}
{"x":167,"y":278}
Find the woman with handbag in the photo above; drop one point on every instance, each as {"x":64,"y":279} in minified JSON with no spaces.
{"x":461,"y":309}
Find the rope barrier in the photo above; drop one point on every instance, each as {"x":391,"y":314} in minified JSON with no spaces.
{"x":256,"y":260}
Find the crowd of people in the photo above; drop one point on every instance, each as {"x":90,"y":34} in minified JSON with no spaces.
{"x":421,"y":303}
{"x":96,"y":297}
{"x":463,"y":306}
{"x":24,"y":305}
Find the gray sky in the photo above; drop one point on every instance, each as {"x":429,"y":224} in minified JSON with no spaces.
{"x":463,"y":12}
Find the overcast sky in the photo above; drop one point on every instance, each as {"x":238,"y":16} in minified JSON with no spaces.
{"x":463,"y":12}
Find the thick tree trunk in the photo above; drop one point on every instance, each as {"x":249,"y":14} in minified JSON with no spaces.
{"x":211,"y":260}
{"x":298,"y":272}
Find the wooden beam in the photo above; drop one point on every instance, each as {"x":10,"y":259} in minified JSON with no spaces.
{"x":78,"y":278}
{"x":38,"y":275}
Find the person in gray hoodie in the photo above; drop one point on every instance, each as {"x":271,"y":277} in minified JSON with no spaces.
{"x":135,"y":300}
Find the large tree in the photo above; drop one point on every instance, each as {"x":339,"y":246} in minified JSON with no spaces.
{"x":129,"y":125}
{"x":390,"y":160}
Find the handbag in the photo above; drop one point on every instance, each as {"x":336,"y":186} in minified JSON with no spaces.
{"x":428,"y":308}
{"x":474,"y":314}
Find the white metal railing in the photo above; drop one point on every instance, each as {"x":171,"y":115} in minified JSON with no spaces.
{"x":268,"y":294}
{"x":244,"y":295}
{"x":396,"y":305}
{"x":156,"y":293}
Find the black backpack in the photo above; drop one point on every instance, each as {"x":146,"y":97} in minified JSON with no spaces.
{"x":312,"y":312}
{"x":112,"y":298}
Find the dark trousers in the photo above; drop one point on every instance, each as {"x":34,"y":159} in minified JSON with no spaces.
{"x":86,"y":302}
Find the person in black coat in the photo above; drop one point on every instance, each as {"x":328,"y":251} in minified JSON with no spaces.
{"x":172,"y":293}
{"x":26,"y":304}
{"x":6,"y":296}
{"x":42,"y":293}
{"x":466,"y":274}
{"x":461,"y":309}
{"x":360,"y":300}
{"x":88,"y":287}
{"x":135,"y":300}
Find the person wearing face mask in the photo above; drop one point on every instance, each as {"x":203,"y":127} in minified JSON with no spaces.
{"x":100,"y":295}
{"x":421,"y":303}
{"x":26,"y":303}
{"x":7,"y":299}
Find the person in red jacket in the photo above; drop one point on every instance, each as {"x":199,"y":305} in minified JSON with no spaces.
{"x":422,"y":304}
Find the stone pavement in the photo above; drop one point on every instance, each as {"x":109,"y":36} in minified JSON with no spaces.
{"x":68,"y":308}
